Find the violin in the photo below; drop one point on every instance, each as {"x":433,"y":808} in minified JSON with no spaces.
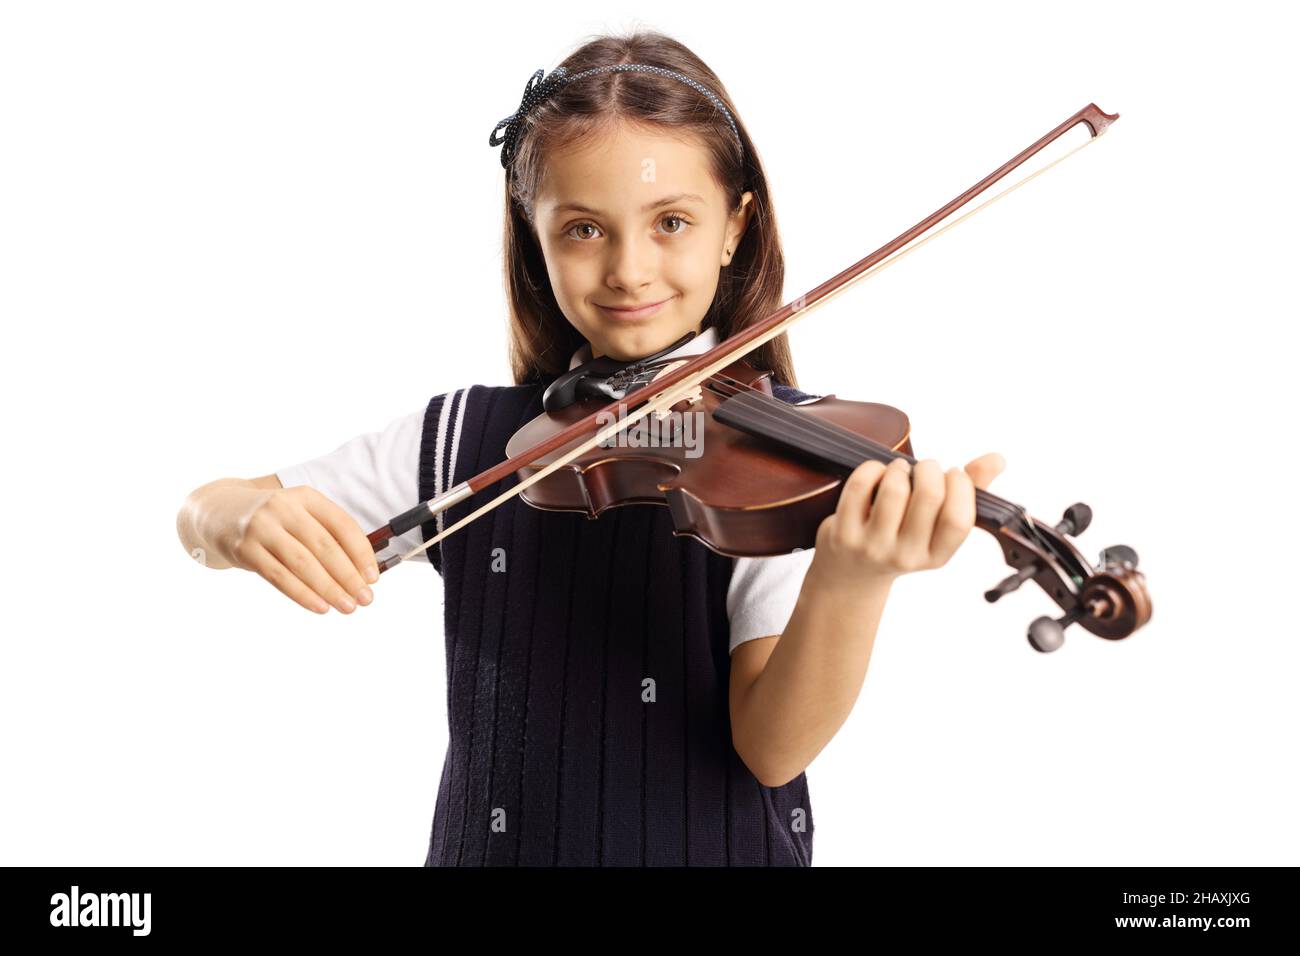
{"x":749,"y":475}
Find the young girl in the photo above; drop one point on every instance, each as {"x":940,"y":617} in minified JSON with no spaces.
{"x":617,"y":695}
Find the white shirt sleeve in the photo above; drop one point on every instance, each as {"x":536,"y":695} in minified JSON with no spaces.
{"x":373,"y":477}
{"x":763,"y":593}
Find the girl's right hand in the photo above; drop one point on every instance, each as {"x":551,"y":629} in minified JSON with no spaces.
{"x":308,"y":547}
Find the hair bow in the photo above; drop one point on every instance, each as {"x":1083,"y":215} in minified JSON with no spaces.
{"x":536,"y":90}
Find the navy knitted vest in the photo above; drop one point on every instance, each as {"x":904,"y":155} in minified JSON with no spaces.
{"x":555,"y":626}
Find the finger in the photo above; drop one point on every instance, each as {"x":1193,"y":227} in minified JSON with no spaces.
{"x":985,"y":468}
{"x":304,"y":565}
{"x":347,"y":533}
{"x":928,"y":490}
{"x":321,"y":543}
{"x":957,"y":516}
{"x":269,"y":567}
{"x":851,"y":510}
{"x":890,"y":503}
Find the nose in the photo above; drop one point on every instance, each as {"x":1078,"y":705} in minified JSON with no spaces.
{"x":632,"y":264}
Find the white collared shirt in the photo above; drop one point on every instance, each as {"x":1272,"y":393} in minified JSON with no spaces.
{"x":701,"y":343}
{"x":375,"y":476}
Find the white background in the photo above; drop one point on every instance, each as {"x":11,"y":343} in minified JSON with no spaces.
{"x":235,"y":235}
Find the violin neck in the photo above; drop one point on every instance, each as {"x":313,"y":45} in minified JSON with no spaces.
{"x":836,"y":448}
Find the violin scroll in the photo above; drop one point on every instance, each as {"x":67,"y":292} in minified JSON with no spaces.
{"x":1110,"y":600}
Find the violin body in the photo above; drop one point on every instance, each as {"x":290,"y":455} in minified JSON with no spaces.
{"x":737,"y":493}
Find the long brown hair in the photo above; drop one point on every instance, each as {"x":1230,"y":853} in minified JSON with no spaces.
{"x":749,"y":287}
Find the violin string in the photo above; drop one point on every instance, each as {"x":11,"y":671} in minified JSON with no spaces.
{"x":837,"y":437}
{"x":840,"y":439}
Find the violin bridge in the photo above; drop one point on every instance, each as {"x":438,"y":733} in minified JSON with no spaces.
{"x":695,"y":395}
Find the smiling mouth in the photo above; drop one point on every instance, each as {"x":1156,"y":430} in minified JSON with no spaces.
{"x":634,"y":312}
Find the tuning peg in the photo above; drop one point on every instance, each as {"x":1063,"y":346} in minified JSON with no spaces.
{"x":1047,"y":635}
{"x":1076,"y":519}
{"x":1009,"y":584}
{"x":1118,"y":554}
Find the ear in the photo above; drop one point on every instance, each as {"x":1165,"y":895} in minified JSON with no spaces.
{"x":736,"y":226}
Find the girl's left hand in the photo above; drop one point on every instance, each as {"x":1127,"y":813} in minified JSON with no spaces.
{"x":919,"y":517}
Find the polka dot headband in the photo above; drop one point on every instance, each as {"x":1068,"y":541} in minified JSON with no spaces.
{"x":539,"y":89}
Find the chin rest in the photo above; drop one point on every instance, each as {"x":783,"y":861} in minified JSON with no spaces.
{"x":604,"y":378}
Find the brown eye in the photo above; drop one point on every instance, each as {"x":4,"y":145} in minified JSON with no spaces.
{"x":682,"y":224}
{"x":581,"y":225}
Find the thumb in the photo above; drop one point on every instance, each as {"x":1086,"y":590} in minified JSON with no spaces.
{"x":985,"y":468}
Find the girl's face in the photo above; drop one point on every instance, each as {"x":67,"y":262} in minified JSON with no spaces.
{"x":635,"y":219}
